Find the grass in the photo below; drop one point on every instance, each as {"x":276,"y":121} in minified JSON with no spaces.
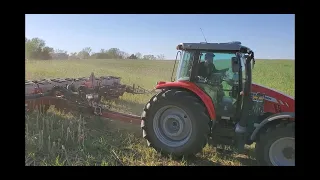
{"x":64,"y":139}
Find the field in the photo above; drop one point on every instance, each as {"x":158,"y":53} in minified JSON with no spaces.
{"x":64,"y":139}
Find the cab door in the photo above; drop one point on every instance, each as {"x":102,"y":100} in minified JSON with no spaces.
{"x":223,"y":83}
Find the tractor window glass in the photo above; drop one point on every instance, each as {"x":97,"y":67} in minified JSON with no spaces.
{"x":220,"y":65}
{"x":220,"y":60}
{"x":243,"y":61}
{"x":185,"y":65}
{"x":243,"y":66}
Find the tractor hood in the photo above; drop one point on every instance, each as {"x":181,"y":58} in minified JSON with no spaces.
{"x":286,"y":103}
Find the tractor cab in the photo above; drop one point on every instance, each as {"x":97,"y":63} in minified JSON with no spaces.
{"x":221,"y":70}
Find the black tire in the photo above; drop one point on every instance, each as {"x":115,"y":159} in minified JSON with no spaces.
{"x":267,"y":139}
{"x":195,"y":113}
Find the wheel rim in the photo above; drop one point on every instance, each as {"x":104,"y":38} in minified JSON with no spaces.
{"x":172,"y":126}
{"x":282,"y":152}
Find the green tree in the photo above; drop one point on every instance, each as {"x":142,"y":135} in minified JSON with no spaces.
{"x":85,"y":53}
{"x":36,"y":48}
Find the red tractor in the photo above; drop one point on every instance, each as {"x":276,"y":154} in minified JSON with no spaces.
{"x":213,"y":98}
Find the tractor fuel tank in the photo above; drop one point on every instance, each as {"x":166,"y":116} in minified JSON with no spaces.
{"x":226,"y":107}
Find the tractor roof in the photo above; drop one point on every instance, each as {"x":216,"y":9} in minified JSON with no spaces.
{"x":229,"y":46}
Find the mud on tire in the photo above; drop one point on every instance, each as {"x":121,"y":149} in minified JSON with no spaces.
{"x":189,"y":111}
{"x":267,"y":143}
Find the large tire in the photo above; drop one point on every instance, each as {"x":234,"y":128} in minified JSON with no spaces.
{"x":276,"y":147}
{"x":184,"y":113}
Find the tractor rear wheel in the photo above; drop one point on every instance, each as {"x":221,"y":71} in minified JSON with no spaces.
{"x":276,"y":147}
{"x":175,"y":122}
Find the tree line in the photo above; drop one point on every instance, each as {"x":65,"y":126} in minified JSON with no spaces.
{"x":37,"y":49}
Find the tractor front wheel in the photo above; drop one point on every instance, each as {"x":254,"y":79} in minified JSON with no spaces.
{"x":174,"y":122}
{"x":276,"y":147}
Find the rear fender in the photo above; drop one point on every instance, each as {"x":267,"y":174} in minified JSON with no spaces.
{"x":193,"y":88}
{"x":272,"y":118}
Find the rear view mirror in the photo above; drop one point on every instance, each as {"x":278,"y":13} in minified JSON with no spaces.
{"x":235,"y":64}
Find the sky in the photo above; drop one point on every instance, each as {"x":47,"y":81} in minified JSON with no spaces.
{"x":269,"y":36}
